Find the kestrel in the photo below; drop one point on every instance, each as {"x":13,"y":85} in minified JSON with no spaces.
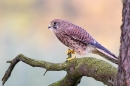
{"x":78,"y":39}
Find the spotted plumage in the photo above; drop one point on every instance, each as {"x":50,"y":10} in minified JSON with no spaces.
{"x":78,"y":39}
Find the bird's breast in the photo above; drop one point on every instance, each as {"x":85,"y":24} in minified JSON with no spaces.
{"x":76,"y":45}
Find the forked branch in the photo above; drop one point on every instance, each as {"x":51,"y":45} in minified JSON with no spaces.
{"x":76,"y":68}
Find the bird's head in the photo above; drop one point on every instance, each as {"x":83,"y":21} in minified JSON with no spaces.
{"x":57,"y":24}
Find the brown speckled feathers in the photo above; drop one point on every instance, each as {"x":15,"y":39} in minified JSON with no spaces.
{"x":78,"y":39}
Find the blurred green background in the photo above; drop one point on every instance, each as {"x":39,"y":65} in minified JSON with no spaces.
{"x":23,"y":29}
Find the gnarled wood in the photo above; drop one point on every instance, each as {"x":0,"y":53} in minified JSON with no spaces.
{"x":76,"y":68}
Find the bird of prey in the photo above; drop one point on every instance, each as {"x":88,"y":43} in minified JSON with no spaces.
{"x":78,"y":39}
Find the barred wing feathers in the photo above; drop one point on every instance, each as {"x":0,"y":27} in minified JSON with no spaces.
{"x":80,"y":34}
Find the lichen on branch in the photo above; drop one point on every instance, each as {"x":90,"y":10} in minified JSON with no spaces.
{"x":76,"y":68}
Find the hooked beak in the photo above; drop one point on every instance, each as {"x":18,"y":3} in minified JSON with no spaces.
{"x":49,"y":26}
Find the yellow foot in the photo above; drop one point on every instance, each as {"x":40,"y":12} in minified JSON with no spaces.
{"x":70,"y":51}
{"x":68,"y":59}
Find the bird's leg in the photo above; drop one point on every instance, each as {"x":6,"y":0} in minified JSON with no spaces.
{"x":68,"y":59}
{"x":69,"y":53}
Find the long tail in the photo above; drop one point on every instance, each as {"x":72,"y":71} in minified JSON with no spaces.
{"x":102,"y":51}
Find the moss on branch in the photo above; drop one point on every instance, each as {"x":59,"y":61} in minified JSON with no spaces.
{"x":76,"y":68}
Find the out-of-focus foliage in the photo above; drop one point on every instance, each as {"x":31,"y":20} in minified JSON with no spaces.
{"x":23,"y":29}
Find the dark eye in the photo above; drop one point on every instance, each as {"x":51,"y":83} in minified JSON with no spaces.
{"x":55,"y":25}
